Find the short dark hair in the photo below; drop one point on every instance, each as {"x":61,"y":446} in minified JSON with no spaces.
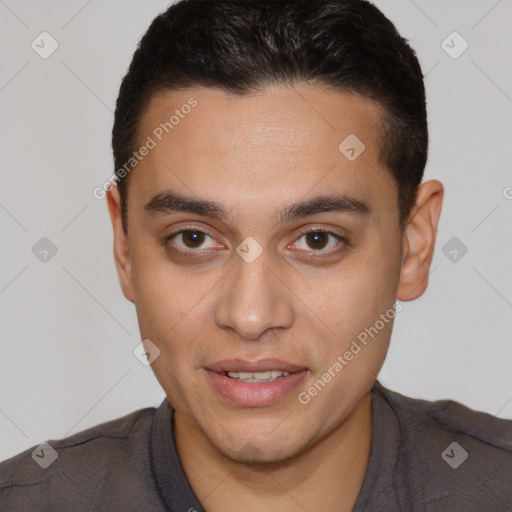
{"x":241,"y":46}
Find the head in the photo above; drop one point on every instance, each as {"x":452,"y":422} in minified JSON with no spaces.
{"x":240,"y":127}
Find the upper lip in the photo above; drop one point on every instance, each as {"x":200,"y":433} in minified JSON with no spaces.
{"x":240,"y":365}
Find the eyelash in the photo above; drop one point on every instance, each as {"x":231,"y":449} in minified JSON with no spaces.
{"x":193,"y":253}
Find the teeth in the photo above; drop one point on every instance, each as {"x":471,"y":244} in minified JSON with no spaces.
{"x":268,"y":376}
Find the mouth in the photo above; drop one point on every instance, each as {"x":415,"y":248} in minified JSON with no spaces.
{"x":257,"y":383}
{"x":257,"y":377}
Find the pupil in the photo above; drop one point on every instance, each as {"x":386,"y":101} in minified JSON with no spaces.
{"x":318,"y":238}
{"x":193,"y":238}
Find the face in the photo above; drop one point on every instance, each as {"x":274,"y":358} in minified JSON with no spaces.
{"x":256,"y":245}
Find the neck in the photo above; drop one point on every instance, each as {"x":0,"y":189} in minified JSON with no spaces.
{"x":327,"y":476}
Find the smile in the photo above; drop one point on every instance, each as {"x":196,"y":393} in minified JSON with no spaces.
{"x":256,"y":377}
{"x":255,"y":384}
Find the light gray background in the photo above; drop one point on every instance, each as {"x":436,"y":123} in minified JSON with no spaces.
{"x":68,"y":334}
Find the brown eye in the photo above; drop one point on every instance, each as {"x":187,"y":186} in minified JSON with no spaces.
{"x":193,"y":239}
{"x":317,"y":239}
{"x":320,"y":241}
{"x":189,"y":239}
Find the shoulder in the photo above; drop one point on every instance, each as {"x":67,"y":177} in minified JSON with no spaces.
{"x":453,"y":418}
{"x":86,"y":461}
{"x":457,"y":453}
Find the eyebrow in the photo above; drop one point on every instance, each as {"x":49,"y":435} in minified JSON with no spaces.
{"x":324,"y":204}
{"x":168,"y":202}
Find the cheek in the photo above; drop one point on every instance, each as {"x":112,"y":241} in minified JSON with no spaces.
{"x":357,"y":294}
{"x":170,"y":314}
{"x":173,"y":304}
{"x":159,"y":294}
{"x":351,"y":302}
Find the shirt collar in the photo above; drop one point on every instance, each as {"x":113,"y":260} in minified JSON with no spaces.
{"x":170,"y":479}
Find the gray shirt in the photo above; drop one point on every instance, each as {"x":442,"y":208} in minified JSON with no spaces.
{"x":425,"y":456}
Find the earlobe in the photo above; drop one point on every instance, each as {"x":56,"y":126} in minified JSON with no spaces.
{"x":121,"y":246}
{"x":419,"y":241}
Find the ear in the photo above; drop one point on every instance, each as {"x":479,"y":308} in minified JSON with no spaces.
{"x":121,"y":246}
{"x":419,"y":240}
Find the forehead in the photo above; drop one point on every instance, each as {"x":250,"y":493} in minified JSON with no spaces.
{"x":272,"y":146}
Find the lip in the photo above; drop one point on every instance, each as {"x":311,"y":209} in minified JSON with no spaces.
{"x":240,"y":365}
{"x":255,"y":394}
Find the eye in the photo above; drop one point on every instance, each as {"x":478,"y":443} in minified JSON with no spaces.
{"x":189,"y":239}
{"x":190,"y":242}
{"x":320,"y":240}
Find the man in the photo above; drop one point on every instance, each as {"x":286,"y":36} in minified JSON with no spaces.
{"x":269,"y":218}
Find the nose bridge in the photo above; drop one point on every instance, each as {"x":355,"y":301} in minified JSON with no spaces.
{"x":252,"y":301}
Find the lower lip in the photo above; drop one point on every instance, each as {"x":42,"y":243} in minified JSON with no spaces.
{"x":255,"y":394}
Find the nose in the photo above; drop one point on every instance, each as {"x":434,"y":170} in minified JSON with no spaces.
{"x":253,"y":299}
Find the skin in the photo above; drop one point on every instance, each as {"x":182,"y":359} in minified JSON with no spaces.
{"x":256,"y":154}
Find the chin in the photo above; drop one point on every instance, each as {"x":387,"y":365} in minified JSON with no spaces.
{"x":259,"y":450}
{"x":253,"y":453}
